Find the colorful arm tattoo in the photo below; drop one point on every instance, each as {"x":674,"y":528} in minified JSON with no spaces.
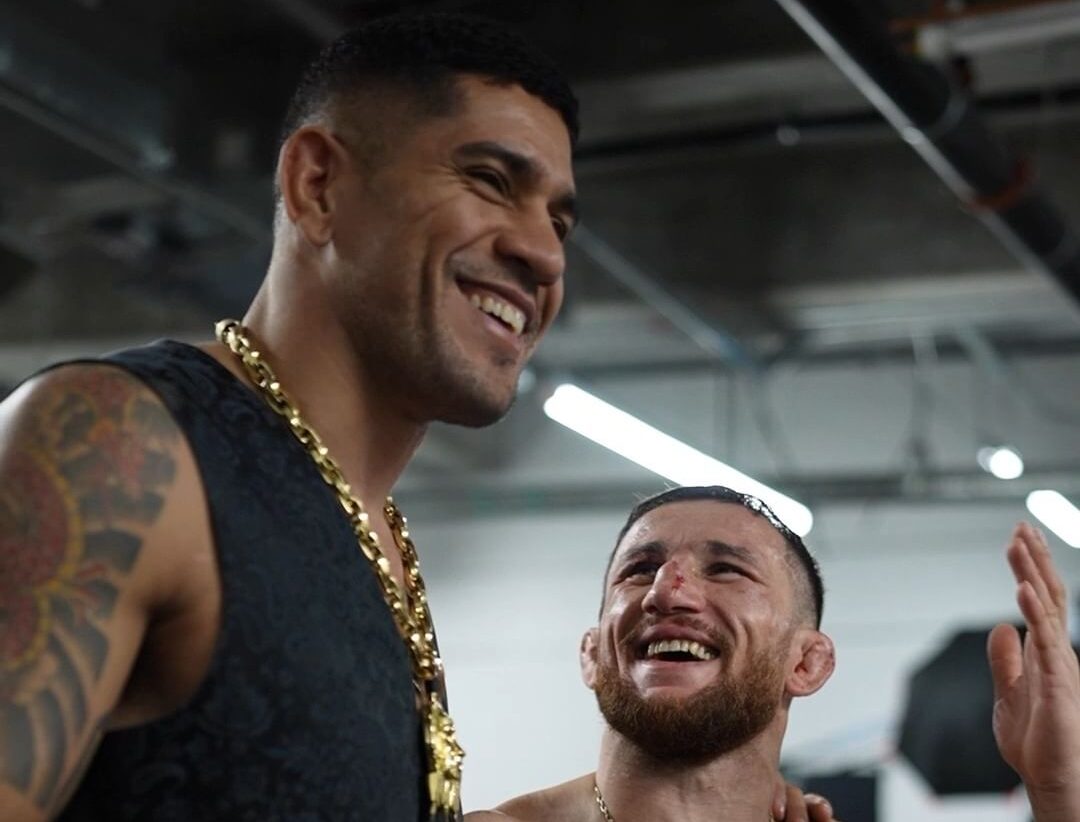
{"x":85,"y":479}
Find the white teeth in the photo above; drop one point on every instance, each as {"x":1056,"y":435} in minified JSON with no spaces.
{"x":665,"y":646}
{"x":510,"y":315}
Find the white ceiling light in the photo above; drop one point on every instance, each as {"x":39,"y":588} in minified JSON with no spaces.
{"x":1057,"y":514}
{"x":1003,"y":461}
{"x":639,"y":442}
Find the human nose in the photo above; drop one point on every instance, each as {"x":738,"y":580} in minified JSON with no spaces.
{"x":532,"y":241}
{"x":673,"y":590}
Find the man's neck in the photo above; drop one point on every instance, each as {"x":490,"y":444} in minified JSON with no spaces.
{"x":369,"y":439}
{"x":735,"y":787}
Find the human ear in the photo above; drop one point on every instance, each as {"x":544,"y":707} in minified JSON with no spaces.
{"x":311,"y":160}
{"x":587,"y":657}
{"x":813,"y":659}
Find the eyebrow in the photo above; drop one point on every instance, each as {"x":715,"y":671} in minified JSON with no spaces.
{"x":648,"y":550}
{"x":718,"y":549}
{"x":522,"y":167}
{"x":715,"y":548}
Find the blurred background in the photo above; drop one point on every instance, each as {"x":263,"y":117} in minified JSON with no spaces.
{"x":831,"y":245}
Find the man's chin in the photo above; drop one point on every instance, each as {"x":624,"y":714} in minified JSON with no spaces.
{"x":476,"y":411}
{"x":678,"y":722}
{"x":469,"y":395}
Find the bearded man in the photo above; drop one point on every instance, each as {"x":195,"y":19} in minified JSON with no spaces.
{"x":710,"y":629}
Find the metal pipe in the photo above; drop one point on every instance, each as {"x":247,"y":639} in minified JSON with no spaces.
{"x":706,"y":335}
{"x":198,"y":199}
{"x":938,"y":120}
{"x":1026,"y":25}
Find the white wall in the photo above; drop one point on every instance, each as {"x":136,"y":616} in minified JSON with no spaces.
{"x":512,"y":596}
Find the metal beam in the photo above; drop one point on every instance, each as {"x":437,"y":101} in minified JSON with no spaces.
{"x":58,"y":87}
{"x":469,"y":499}
{"x":1037,"y":24}
{"x":937,"y":118}
{"x":53,"y":74}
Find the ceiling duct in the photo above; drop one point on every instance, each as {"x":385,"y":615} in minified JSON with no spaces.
{"x":938,"y":119}
{"x":15,"y":269}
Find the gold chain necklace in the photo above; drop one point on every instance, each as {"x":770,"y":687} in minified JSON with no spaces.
{"x":601,"y":804}
{"x":409,"y":608}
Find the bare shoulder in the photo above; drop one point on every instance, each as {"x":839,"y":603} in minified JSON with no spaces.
{"x":92,"y":477}
{"x":569,"y":801}
{"x":88,"y":458}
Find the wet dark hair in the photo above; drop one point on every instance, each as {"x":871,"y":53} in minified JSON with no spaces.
{"x":805,"y":562}
{"x":421,"y":55}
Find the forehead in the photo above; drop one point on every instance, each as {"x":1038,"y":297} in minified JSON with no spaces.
{"x":696,"y":524}
{"x":513,"y":118}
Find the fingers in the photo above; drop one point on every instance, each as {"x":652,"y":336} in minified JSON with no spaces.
{"x":1043,"y":603}
{"x":1044,"y":561}
{"x":779,"y":802}
{"x":818,"y":808}
{"x":1030,"y":560}
{"x":794,"y":805}
{"x":788,"y":804}
{"x":1006,"y":658}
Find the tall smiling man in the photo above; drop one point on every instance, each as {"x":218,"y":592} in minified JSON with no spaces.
{"x":710,"y":628}
{"x":209,"y":608}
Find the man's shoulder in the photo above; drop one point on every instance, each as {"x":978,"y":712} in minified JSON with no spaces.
{"x":47,"y":406}
{"x":89,"y":450}
{"x":568,"y":801}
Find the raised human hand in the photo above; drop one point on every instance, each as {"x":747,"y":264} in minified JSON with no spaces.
{"x":1037,"y":684}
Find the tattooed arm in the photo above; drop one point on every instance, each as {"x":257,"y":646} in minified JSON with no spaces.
{"x":87,"y":463}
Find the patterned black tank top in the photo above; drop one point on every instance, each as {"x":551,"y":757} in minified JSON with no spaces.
{"x":307,"y":712}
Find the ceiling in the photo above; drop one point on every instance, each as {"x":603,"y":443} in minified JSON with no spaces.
{"x":748,"y":213}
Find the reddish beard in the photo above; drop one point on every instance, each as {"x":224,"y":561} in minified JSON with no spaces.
{"x":715,"y":720}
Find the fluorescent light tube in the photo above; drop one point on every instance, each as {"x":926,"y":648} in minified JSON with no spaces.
{"x":628,"y":436}
{"x":1057,"y":514}
{"x":1003,"y":461}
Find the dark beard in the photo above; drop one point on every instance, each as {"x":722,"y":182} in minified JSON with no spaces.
{"x":704,"y":726}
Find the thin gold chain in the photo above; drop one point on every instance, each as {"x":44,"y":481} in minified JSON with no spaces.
{"x":601,"y":804}
{"x":409,"y":607}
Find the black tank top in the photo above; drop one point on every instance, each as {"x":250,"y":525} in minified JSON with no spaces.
{"x":307,"y":711}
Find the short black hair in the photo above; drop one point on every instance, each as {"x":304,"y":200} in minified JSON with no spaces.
{"x":720,"y":493}
{"x":423,"y":53}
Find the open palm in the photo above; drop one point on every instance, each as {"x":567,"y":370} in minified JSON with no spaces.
{"x":1037,"y":683}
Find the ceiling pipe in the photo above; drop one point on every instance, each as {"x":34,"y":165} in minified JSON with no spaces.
{"x":706,"y":335}
{"x":939,"y":121}
{"x":1026,"y":25}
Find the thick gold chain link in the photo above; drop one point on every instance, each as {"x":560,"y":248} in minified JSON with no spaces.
{"x":413,"y":618}
{"x":409,"y":607}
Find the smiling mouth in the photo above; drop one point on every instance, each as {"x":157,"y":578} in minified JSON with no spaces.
{"x":679,"y":650}
{"x":509,"y":315}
